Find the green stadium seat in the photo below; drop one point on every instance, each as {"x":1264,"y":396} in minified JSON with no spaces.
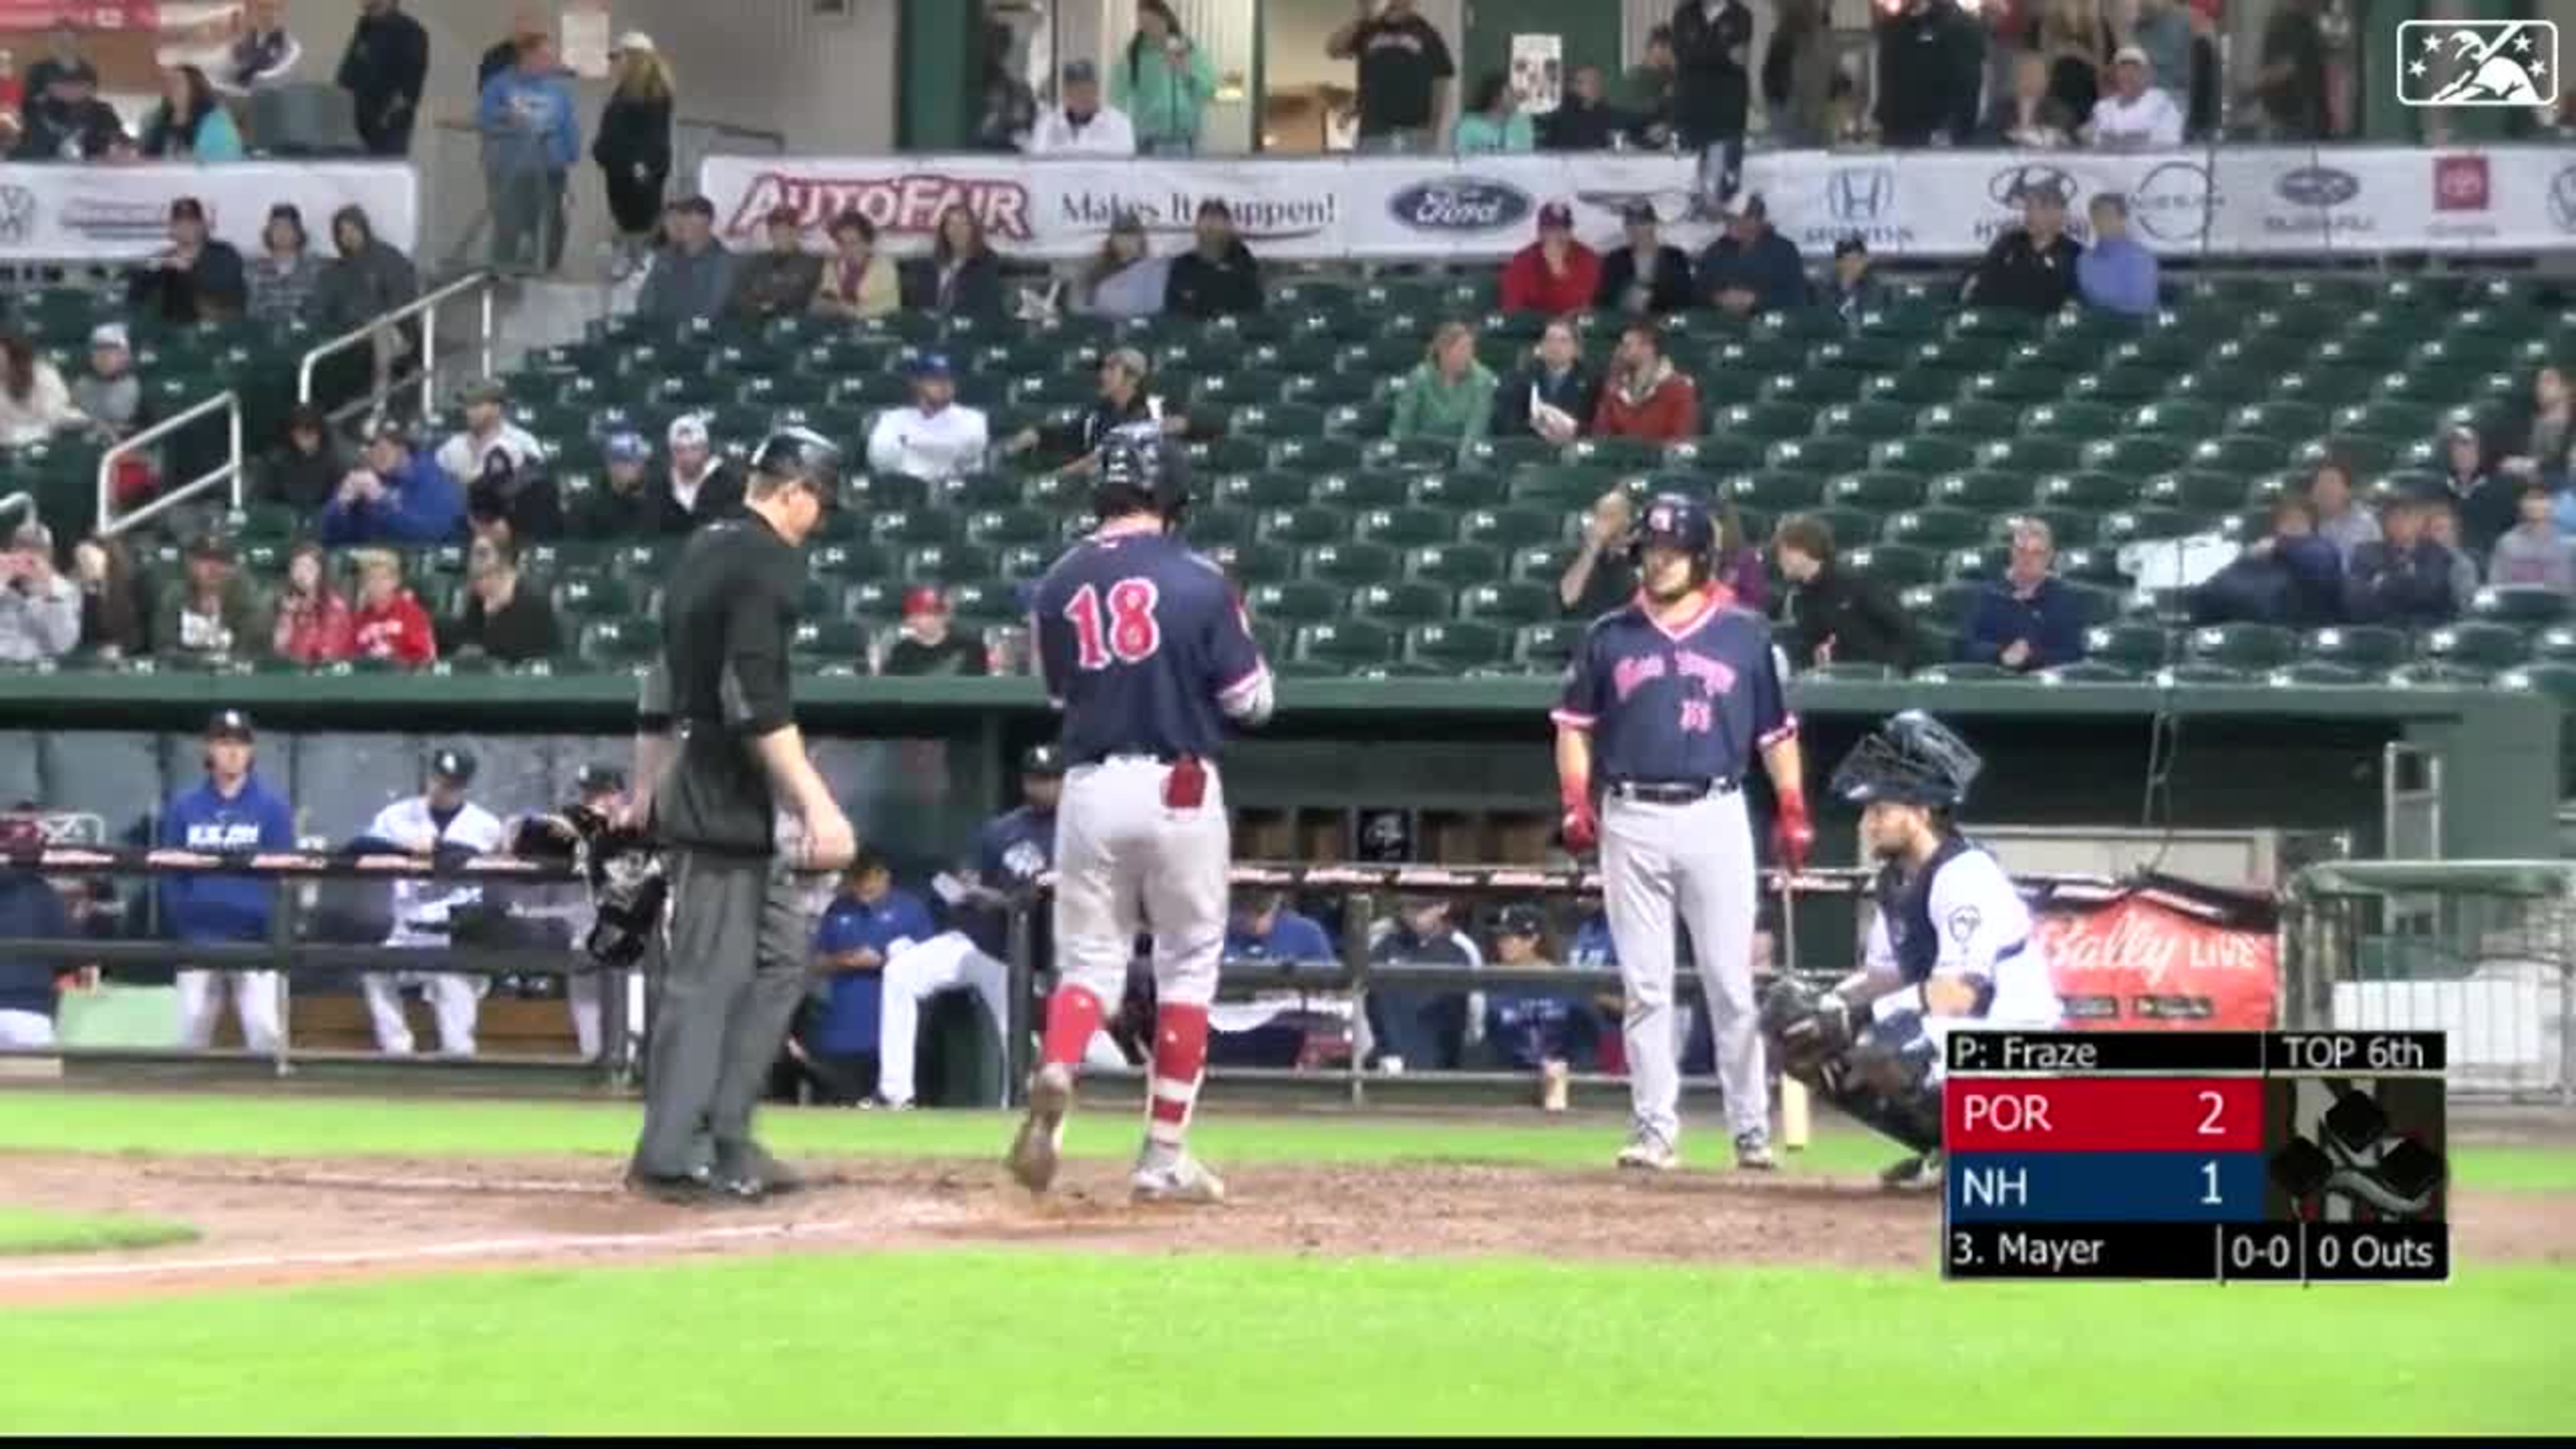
{"x":1549,"y":644}
{"x":1811,"y":388}
{"x":1394,"y":453}
{"x":1405,"y":527}
{"x":837,"y":640}
{"x":1545,"y":565}
{"x":1896,"y":565}
{"x":1345,"y":644}
{"x":1256,"y":563}
{"x":1454,"y":564}
{"x":2435,"y":674}
{"x":1557,"y":486}
{"x":1303,"y":527}
{"x":594,"y":596}
{"x":1774,"y":490}
{"x":970,"y":491}
{"x":2070,"y":420}
{"x":1762,"y":422}
{"x":1879,"y":491}
{"x":1619,"y":454}
{"x":2550,"y":677}
{"x":1935,"y":529}
{"x":1351,"y":565}
{"x":1980,"y":491}
{"x":1453,"y":492}
{"x":1401,"y":604}
{"x":2035,"y":455}
{"x":2134,"y":647}
{"x":2097,"y":566}
{"x":2318,"y":674}
{"x":1715,"y":454}
{"x":1270,"y":488}
{"x":2123,"y":384}
{"x":1927,"y":456}
{"x":947,"y":563}
{"x":1457,"y":646}
{"x":1977,"y":564}
{"x":2369,"y":648}
{"x":1971,"y":420}
{"x":2523,"y":605}
{"x":1511,"y":528}
{"x":1820,"y":454}
{"x":1363,"y":489}
{"x":2476,"y":645}
{"x":1229,"y":454}
{"x":1506,"y":455}
{"x":2015,"y":387}
{"x":1003,"y":527}
{"x":2191,"y":421}
{"x":1948,"y":606}
{"x":2195,"y":491}
{"x":2086,"y":671}
{"x":1849,"y":673}
{"x":2141,"y":525}
{"x":873,"y":493}
{"x":2242,"y":646}
{"x":1508,"y":603}
{"x":1915,"y":388}
{"x":1870,"y":421}
{"x":620,"y":643}
{"x":903,"y":526}
{"x":1962,"y":672}
{"x":1314,"y":454}
{"x":1211,"y":527}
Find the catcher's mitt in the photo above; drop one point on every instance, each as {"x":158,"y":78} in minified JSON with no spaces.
{"x":1810,"y":1028}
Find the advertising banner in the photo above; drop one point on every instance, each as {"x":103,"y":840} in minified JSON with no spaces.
{"x":50,"y":212}
{"x":2161,"y":957}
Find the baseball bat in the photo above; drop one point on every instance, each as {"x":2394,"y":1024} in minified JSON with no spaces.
{"x":1794,"y":1106}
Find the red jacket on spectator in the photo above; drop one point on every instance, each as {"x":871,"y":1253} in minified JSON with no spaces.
{"x":399,"y":630}
{"x":1528,"y":286}
{"x":1666,"y":412}
{"x":317,"y":630}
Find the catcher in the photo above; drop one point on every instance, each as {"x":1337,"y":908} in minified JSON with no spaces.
{"x":1951,"y":946}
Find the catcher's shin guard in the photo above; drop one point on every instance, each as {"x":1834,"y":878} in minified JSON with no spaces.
{"x":1913,"y":1120}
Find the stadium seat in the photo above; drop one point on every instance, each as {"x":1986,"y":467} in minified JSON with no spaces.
{"x":1849,"y":673}
{"x":1269,"y":488}
{"x":1820,"y":455}
{"x":1880,"y":491}
{"x":2136,"y":647}
{"x":1303,"y":527}
{"x":2319,"y":674}
{"x":2143,"y":525}
{"x":1351,"y":564}
{"x":2027,"y":454}
{"x":1511,"y":528}
{"x":1936,"y":529}
{"x":2433,"y":674}
{"x":620,"y":643}
{"x":2242,"y":646}
{"x":1718,"y":453}
{"x":1344,"y":643}
{"x":2369,"y":648}
{"x":1210,"y":527}
{"x":947,"y":563}
{"x":1363,"y":489}
{"x":1313,"y":453}
{"x":1457,"y":646}
{"x":1405,"y":527}
{"x":1403,"y":453}
{"x":988,"y":599}
{"x":2525,"y":605}
{"x":1978,"y":491}
{"x":1257,"y":563}
{"x":1896,"y":565}
{"x":1401,"y":604}
{"x":902,"y":526}
{"x":2086,"y":671}
{"x":1964,"y":672}
{"x":594,"y":596}
{"x":1454,"y":564}
{"x":2481,"y":646}
{"x":1547,"y":644}
{"x":1508,"y":603}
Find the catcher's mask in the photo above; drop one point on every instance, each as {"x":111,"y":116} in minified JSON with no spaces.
{"x":1912,"y":759}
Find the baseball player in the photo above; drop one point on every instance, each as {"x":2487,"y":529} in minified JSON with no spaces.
{"x":1951,"y":945}
{"x":601,"y":790}
{"x":1668,"y":701}
{"x":1148,"y":652}
{"x":438,"y":822}
{"x":1012,"y":850}
{"x":232,"y":814}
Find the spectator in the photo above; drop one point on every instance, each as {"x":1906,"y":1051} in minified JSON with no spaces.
{"x":2026,"y":620}
{"x":2292,"y":577}
{"x":2027,"y":115}
{"x":390,"y":625}
{"x":513,"y":501}
{"x":2488,"y":505}
{"x":2135,"y":116}
{"x":110,"y":395}
{"x":2162,"y":32}
{"x":2338,"y":522}
{"x":1855,"y":290}
{"x":1713,"y":90}
{"x":1449,"y":398}
{"x":254,"y":48}
{"x":1646,"y":90}
{"x":1555,"y":274}
{"x":2404,"y":578}
{"x":1929,"y":60}
{"x":1494,"y":120}
{"x":215,"y":612}
{"x":1554,"y":396}
{"x":2032,"y":266}
{"x":698,"y":491}
{"x":488,"y":434}
{"x":692,"y":274}
{"x":2075,"y":36}
{"x":284,"y":285}
{"x":368,"y":279}
{"x":1217,"y":277}
{"x":1123,"y":402}
{"x":1414,"y":1028}
{"x":305,"y":469}
{"x":2291,"y":81}
{"x":856,"y":283}
{"x":1751,"y":267}
{"x":1645,"y":396}
{"x":966,"y":277}
{"x":1126,"y":279}
{"x":625,"y":507}
{"x":13,"y":104}
{"x":34,"y":403}
{"x":1164,"y":83}
{"x":2206,"y":88}
{"x":1263,"y":928}
{"x":66,"y":121}
{"x":30,"y":910}
{"x":531,"y":138}
{"x":40,"y":610}
{"x":1539,"y":1032}
{"x":383,"y":71}
{"x":936,"y":438}
{"x":1403,"y":63}
{"x":925,"y":643}
{"x":1009,"y":107}
{"x":1081,"y":125}
{"x":315,"y":625}
{"x":866,"y":925}
{"x":502,"y":619}
{"x":1584,"y":119}
{"x":2532,"y":554}
{"x":633,"y":148}
{"x":1798,"y":74}
{"x":781,"y":281}
{"x":2115,"y":274}
{"x":397,"y":496}
{"x":2442,"y":525}
{"x":2551,"y":443}
{"x":1603,"y":576}
{"x":199,"y":279}
{"x":1645,"y":276}
{"x":1738,"y":569}
{"x":62,"y":53}
{"x":114,"y":609}
{"x":1832,"y":617}
{"x":190,"y":124}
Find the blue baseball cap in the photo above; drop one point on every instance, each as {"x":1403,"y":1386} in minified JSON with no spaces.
{"x":929,"y":364}
{"x":626,"y":446}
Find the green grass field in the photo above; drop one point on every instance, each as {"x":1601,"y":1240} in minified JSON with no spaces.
{"x":27,"y":1232}
{"x":1037,"y":1341}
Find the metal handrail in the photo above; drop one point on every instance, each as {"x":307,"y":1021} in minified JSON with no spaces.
{"x":424,"y":307}
{"x":228,"y":403}
{"x":730,"y":130}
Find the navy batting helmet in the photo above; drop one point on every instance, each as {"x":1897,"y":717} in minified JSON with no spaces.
{"x":800,"y":455}
{"x":1140,"y":472}
{"x":1912,"y":759}
{"x":1042,"y":760}
{"x":1676,"y":520}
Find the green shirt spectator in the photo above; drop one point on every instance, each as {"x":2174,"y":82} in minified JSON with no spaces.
{"x":1450,"y":397}
{"x":1164,"y":82}
{"x":1496,"y":121}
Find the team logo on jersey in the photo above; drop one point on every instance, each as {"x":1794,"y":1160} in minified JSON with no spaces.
{"x":1024,"y":860}
{"x":1962,"y":924}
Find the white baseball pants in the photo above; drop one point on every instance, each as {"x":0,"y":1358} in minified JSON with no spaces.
{"x":1697,"y":861}
{"x":26,"y":1029}
{"x":1125,"y":864}
{"x":201,"y":1005}
{"x":914,"y":975}
{"x":456,"y":1000}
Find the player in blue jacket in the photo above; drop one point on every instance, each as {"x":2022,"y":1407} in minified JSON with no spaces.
{"x":866,"y":926}
{"x":232,"y":814}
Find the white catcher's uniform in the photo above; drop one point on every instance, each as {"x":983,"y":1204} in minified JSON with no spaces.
{"x":1963,"y":918}
{"x":420,"y":908}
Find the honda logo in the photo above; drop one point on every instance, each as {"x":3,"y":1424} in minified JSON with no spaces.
{"x":1856,"y":195}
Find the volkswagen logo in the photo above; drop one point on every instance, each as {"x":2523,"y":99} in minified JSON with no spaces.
{"x":2320,"y":186}
{"x":2011,"y":188}
{"x":1857,"y":195}
{"x":1461,"y":203}
{"x":2562,"y":199}
{"x":2173,"y":203}
{"x":17,"y":216}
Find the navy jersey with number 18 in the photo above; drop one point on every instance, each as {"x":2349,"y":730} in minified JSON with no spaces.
{"x":1143,"y":645}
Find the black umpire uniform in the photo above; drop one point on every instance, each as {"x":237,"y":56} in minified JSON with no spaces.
{"x":735,"y":957}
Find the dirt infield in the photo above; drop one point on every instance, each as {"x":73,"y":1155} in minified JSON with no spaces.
{"x":275,"y":1223}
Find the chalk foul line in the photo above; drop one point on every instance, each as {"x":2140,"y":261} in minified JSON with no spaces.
{"x":425,"y":1252}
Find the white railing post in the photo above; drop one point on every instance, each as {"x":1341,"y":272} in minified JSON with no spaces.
{"x":229,"y":471}
{"x":424,"y":307}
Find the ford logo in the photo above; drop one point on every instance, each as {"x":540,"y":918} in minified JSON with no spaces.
{"x":2011,"y":188}
{"x":1463,"y":203}
{"x":2318,"y":186}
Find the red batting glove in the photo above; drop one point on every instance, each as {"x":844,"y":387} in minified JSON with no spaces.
{"x":1582,"y":829}
{"x":1793,"y":835}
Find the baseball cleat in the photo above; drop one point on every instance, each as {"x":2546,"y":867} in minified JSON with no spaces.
{"x":751,"y":1171}
{"x":695,"y":1188}
{"x":1647,"y":1151}
{"x":1038,"y":1149}
{"x":1753,"y":1152}
{"x":1183,"y":1179}
{"x":883,"y":1104}
{"x":1914,"y":1174}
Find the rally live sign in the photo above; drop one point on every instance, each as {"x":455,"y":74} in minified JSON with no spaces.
{"x":52,"y":212}
{"x":1939,"y":203}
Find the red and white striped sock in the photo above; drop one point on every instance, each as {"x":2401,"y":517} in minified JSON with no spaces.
{"x":1073,"y":1015}
{"x":1180,"y":1060}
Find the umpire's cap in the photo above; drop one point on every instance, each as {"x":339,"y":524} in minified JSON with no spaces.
{"x":1676,"y":520}
{"x":599,"y":779}
{"x":1912,"y":759}
{"x":452,"y":765}
{"x":1042,"y":760}
{"x":229,"y":724}
{"x":801,"y":455}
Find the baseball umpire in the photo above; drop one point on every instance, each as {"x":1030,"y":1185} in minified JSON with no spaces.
{"x":718,"y":755}
{"x":1951,"y":946}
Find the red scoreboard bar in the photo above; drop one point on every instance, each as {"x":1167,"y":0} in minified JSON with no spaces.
{"x":2268,"y":1156}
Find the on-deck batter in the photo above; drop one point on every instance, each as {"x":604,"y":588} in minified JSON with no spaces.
{"x":1668,"y":701}
{"x":1147,"y":651}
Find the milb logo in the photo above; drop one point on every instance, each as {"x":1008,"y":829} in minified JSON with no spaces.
{"x":2464,"y":63}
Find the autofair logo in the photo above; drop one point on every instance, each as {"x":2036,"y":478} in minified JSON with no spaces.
{"x":17,"y":216}
{"x":908,"y":204}
{"x":2173,"y":203}
{"x":1460,"y":204}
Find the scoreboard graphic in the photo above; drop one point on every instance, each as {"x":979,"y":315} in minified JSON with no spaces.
{"x":2290,"y":1157}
